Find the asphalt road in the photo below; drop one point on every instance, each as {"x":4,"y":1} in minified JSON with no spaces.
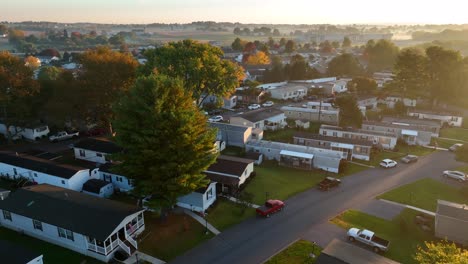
{"x":256,"y":239}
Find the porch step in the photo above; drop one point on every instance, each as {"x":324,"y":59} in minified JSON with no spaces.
{"x":132,"y":248}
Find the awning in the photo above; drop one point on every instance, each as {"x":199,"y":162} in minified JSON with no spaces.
{"x":409,"y":132}
{"x":297,"y":154}
{"x":341,"y":145}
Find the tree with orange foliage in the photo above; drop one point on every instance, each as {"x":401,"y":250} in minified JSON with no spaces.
{"x":259,"y":58}
{"x":32,"y":62}
{"x":106,"y":76}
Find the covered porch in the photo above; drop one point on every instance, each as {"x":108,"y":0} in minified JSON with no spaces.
{"x":296,"y":159}
{"x":123,"y":238}
{"x":409,"y":136}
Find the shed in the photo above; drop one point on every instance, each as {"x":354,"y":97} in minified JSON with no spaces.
{"x":98,"y":187}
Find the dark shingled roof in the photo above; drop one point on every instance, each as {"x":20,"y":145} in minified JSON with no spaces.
{"x":228,"y":166}
{"x":98,"y":145}
{"x":94,"y":185}
{"x":15,"y":254}
{"x":260,"y":114}
{"x":324,"y":258}
{"x":333,"y":139}
{"x":455,"y":210}
{"x":81,"y":213}
{"x":39,"y":165}
{"x":222,"y":179}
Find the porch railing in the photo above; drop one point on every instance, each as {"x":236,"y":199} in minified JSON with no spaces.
{"x":132,"y":241}
{"x":124,"y":247}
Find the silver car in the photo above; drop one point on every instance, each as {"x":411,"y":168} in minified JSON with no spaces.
{"x":456,"y":146}
{"x":456,"y":175}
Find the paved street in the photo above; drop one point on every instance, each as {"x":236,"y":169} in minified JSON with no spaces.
{"x":306,"y":214}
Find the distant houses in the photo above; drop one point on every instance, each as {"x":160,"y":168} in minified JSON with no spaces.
{"x":264,"y":119}
{"x":444,"y":117}
{"x":309,"y":114}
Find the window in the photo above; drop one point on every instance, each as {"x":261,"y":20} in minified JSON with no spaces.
{"x":37,"y":224}
{"x":82,"y":153}
{"x":455,"y":119}
{"x":14,"y":171}
{"x":119,"y":179}
{"x":63,"y":181}
{"x":107,"y":177}
{"x":335,"y":134}
{"x":209,"y":194}
{"x":35,"y":174}
{"x":131,"y":182}
{"x":99,"y":154}
{"x":6,"y":215}
{"x":65,"y":233}
{"x":324,"y":132}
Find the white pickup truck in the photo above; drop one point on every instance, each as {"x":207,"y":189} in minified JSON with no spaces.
{"x":369,"y":238}
{"x":63,"y":135}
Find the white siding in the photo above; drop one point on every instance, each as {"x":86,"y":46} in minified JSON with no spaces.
{"x":198,"y":201}
{"x":90,"y":155}
{"x":121,"y":183}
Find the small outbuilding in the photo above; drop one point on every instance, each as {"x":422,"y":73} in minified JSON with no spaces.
{"x":98,"y":187}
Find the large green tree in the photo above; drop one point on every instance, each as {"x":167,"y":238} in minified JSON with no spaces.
{"x":344,"y":65}
{"x":441,"y":253}
{"x":445,"y":70}
{"x":166,"y":139}
{"x":381,"y":55}
{"x":106,"y":75}
{"x":346,"y":42}
{"x":199,"y":65}
{"x":363,"y":84}
{"x":350,"y":115}
{"x":410,"y":72}
{"x":17,"y":88}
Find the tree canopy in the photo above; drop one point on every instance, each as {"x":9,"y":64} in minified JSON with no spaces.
{"x":381,"y":55}
{"x":166,"y":139}
{"x":259,"y":58}
{"x":350,"y":115}
{"x":440,"y":253}
{"x":410,"y":71}
{"x":344,"y":65}
{"x":199,"y":65}
{"x":363,"y":84}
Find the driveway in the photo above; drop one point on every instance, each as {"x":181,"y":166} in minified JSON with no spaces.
{"x":255,"y":240}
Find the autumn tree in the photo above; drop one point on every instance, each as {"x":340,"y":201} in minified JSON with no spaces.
{"x":166,"y":139}
{"x":49,"y":73}
{"x":290,"y":46}
{"x":350,"y":115}
{"x":326,"y":47}
{"x":344,"y":65}
{"x":238,"y":44}
{"x":17,"y":87}
{"x":259,"y":58}
{"x":440,"y":253}
{"x":32,"y":62}
{"x":199,"y":65}
{"x":106,"y":75}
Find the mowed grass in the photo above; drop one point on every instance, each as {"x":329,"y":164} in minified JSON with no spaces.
{"x":277,"y":182}
{"x":225,"y":213}
{"x":404,"y":235}
{"x":52,"y":254}
{"x":170,"y":237}
{"x":454,"y":133}
{"x":297,"y":253}
{"x":444,"y":143}
{"x":424,"y":194}
{"x":402,"y":151}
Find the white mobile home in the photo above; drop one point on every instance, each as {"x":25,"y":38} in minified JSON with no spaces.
{"x":83,"y":223}
{"x":41,"y":171}
{"x":120,"y":183}
{"x":95,"y":150}
{"x":452,"y":119}
{"x":199,"y":200}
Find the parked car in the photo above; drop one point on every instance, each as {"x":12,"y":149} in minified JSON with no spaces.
{"x":409,"y":159}
{"x":456,"y":175}
{"x":268,"y":104}
{"x":456,"y":146}
{"x":328,"y":183}
{"x":254,"y":106}
{"x":369,"y":238}
{"x":388,"y":163}
{"x":215,"y":119}
{"x":270,"y":207}
{"x":63,"y":135}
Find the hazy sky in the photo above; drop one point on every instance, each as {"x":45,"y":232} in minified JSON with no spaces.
{"x":245,"y":11}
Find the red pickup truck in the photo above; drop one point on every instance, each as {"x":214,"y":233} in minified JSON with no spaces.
{"x":270,"y":207}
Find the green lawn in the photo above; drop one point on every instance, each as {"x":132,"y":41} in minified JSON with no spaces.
{"x":352,"y":168}
{"x":455,"y":133}
{"x":168,"y":238}
{"x":444,"y":143}
{"x":377,"y":157}
{"x":297,"y":253}
{"x":278,"y":182}
{"x":226,"y":213}
{"x":52,"y":254}
{"x":464,"y":169}
{"x":404,"y":235}
{"x":424,"y":194}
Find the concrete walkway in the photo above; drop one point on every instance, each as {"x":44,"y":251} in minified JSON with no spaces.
{"x":452,"y":139}
{"x":142,"y":256}
{"x":202,"y":221}
{"x":410,"y":207}
{"x":235,"y":200}
{"x":432,"y":147}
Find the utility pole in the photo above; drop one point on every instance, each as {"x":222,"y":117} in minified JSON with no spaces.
{"x":320,"y":111}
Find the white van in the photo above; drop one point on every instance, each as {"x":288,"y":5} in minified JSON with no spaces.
{"x":32,"y":133}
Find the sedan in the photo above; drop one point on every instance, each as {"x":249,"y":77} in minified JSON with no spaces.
{"x":254,"y":106}
{"x":268,"y":104}
{"x":388,"y":163}
{"x":456,"y":175}
{"x":409,"y":159}
{"x":215,"y":119}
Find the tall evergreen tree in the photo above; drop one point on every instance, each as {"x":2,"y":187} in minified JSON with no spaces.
{"x":166,"y":139}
